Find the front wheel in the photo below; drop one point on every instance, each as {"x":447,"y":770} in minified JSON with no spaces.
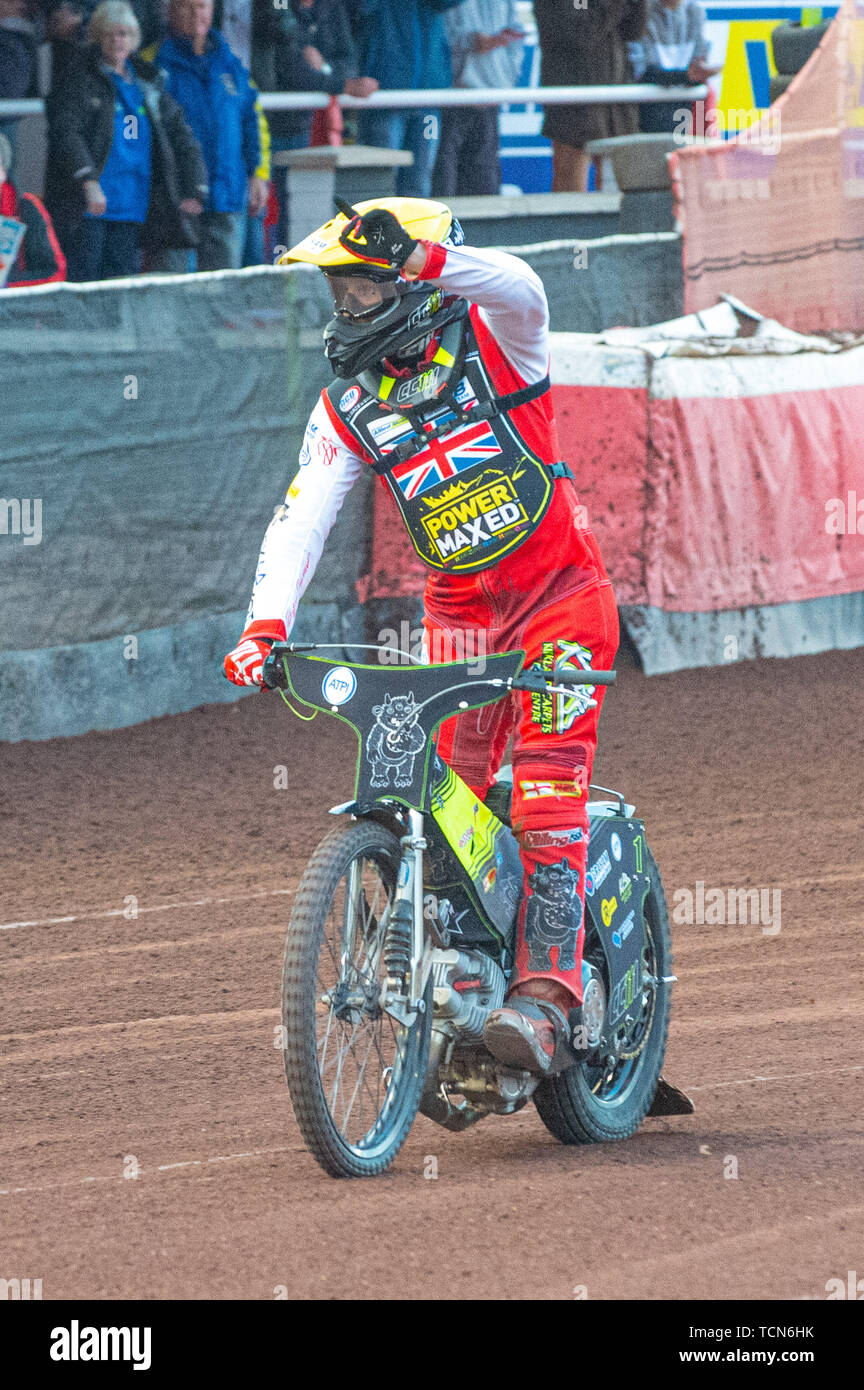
{"x":354,"y":1074}
{"x":593,"y":1104}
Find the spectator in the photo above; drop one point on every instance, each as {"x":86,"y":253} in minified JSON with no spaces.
{"x":672,"y":53}
{"x":254,"y":250}
{"x":486,"y":51}
{"x":585,"y":46}
{"x":39,"y":260}
{"x":68,"y":23}
{"x":219,"y":102}
{"x":316,"y":53}
{"x":123,"y":166}
{"x":19,"y":45}
{"x":233,"y":18}
{"x":272,"y":28}
{"x":405,"y":46}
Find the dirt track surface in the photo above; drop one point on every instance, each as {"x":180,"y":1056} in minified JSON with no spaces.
{"x":147,"y":1043}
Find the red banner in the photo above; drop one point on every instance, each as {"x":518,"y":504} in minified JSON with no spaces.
{"x":712,"y":481}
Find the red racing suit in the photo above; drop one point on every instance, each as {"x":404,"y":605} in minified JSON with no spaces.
{"x":550,"y":596}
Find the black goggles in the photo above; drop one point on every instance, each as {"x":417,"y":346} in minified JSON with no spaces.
{"x":360,"y":295}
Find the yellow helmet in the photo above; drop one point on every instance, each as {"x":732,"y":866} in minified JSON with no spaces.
{"x":422,"y":218}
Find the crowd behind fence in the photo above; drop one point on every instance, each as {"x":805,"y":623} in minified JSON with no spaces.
{"x":162,"y":126}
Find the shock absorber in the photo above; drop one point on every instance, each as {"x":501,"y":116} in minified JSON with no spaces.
{"x":397,"y":948}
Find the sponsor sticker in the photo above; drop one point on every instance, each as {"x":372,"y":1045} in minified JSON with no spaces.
{"x":464,"y":392}
{"x":625,"y":887}
{"x":543,"y":839}
{"x":532,"y":791}
{"x":600,"y":871}
{"x":388,"y":428}
{"x":615,"y":846}
{"x":306,"y":451}
{"x":556,"y":714}
{"x":417,"y":385}
{"x":608,"y":908}
{"x":349,"y":399}
{"x":339,"y":685}
{"x":426,"y":309}
{"x":463,"y":519}
{"x":326,"y":451}
{"x":621,"y":935}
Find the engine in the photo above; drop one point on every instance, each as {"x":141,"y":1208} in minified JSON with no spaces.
{"x":467,"y":986}
{"x":463,"y":1082}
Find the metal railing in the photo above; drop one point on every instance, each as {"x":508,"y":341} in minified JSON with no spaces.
{"x":641,"y":93}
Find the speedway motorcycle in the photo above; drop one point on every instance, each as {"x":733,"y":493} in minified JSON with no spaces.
{"x":402,"y":932}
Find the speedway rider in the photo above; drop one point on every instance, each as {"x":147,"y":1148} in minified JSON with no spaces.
{"x":441,"y":356}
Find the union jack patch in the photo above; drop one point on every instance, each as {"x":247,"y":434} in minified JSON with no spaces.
{"x":444,"y":458}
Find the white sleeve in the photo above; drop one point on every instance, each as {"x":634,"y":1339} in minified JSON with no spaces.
{"x":295,"y":538}
{"x":512,"y":301}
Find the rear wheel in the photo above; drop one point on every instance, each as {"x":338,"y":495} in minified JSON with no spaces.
{"x":354,"y":1074}
{"x":593,"y":1103}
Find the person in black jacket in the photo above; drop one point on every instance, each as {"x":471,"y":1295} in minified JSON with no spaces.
{"x":19,"y":62}
{"x":124,"y":170}
{"x":308,"y":46}
{"x":585,"y":45}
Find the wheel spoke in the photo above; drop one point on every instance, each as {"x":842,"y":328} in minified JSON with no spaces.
{"x":353,"y":1070}
{"x":352,"y":958}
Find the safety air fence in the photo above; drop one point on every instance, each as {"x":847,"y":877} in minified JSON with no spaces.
{"x":150,"y":427}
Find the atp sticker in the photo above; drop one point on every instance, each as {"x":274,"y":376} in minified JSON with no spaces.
{"x":339,"y":685}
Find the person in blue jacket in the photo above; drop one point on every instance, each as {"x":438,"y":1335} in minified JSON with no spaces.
{"x":124,"y":171}
{"x":404,"y":46}
{"x":218,"y":100}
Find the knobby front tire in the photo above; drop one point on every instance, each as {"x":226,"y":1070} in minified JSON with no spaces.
{"x":354,"y":1075}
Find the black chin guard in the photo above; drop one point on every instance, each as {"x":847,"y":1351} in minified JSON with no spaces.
{"x":353,"y":344}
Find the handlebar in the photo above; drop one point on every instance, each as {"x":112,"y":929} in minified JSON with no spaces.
{"x":540,"y":682}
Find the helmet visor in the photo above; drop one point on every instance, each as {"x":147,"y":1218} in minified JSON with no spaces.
{"x":360,"y":295}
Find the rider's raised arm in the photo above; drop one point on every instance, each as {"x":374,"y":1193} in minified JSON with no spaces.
{"x":508,"y":292}
{"x":295,"y":538}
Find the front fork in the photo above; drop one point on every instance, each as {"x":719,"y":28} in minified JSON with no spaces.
{"x":408,"y":907}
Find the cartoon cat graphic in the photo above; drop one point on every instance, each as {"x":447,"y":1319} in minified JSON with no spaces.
{"x":395,"y":740}
{"x":553,"y":916}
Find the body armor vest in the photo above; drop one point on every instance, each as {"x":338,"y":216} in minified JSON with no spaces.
{"x":469,"y":488}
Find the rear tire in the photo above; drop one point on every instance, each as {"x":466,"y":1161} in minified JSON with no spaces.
{"x":576,"y":1106}
{"x":348,"y":1063}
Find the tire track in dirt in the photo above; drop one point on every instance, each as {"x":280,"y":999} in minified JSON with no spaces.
{"x":153,"y":1037}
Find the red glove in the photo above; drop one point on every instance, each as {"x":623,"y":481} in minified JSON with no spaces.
{"x":244,"y":664}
